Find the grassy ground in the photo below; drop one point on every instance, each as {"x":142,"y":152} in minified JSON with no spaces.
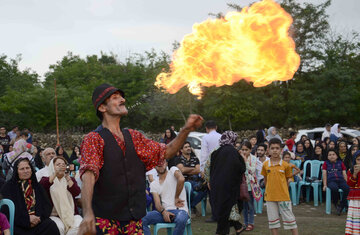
{"x":311,"y":221}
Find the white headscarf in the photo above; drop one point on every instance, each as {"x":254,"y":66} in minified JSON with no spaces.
{"x":271,"y":136}
{"x":334,"y":130}
{"x":21,"y":150}
{"x":62,"y":199}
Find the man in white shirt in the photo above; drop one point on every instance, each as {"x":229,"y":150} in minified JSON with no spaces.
{"x":170,"y":200}
{"x":261,"y":158}
{"x":47,"y":155}
{"x":209,"y":142}
{"x":327,"y":131}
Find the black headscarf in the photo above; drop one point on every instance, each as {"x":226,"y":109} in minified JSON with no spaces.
{"x":260,"y":138}
{"x":172,"y":136}
{"x":309,"y":151}
{"x":73,"y":155}
{"x":322,"y":156}
{"x":64,"y":155}
{"x":349,"y":160}
{"x":12,"y":190}
{"x":226,"y":170}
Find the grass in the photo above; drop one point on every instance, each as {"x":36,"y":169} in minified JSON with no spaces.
{"x":310,"y":220}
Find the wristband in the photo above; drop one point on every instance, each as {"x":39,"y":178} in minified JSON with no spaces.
{"x":162,"y":211}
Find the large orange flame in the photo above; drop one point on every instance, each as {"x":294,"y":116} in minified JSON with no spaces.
{"x":252,"y":44}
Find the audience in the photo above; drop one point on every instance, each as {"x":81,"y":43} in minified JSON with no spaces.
{"x":189,"y":165}
{"x":60,"y":152}
{"x":272,"y":133}
{"x":170,"y":200}
{"x":47,"y":156}
{"x":335,"y":132}
{"x":250,"y":175}
{"x":261,"y":158}
{"x":32,"y":206}
{"x":290,"y":143}
{"x":327,"y":132}
{"x":62,"y":190}
{"x":209,"y":142}
{"x":334,"y":178}
{"x":21,"y":150}
{"x":4,"y":140}
{"x":51,"y":206}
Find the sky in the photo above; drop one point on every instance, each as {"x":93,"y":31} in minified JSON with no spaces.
{"x":43,"y":31}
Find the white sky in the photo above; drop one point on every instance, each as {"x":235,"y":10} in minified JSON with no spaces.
{"x":43,"y":31}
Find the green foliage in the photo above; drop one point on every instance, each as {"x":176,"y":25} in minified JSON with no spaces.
{"x":325,"y":89}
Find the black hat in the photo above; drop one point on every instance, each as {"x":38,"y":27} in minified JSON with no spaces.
{"x":101,"y":93}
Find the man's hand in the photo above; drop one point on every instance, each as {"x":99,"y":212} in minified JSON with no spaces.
{"x":193,"y":122}
{"x":179,"y":203}
{"x":34,"y":220}
{"x":87,"y":226}
{"x":324,"y":188}
{"x":166,"y":216}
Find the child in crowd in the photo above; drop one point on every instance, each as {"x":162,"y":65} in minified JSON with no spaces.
{"x":286,"y":156}
{"x":334,"y":177}
{"x":4,"y":223}
{"x":276,"y":172}
{"x":353,"y":180}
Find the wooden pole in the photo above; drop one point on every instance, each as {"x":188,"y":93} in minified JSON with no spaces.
{"x":57,"y":117}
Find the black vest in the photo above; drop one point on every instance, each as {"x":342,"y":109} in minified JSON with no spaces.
{"x":119,"y":192}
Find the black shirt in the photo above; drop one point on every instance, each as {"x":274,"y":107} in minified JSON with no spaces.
{"x":192,"y":162}
{"x":5,"y":142}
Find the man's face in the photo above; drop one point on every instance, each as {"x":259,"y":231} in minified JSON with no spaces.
{"x":2,"y":130}
{"x":186,"y":149}
{"x":161,"y":168}
{"x":275,"y":150}
{"x":114,"y":105}
{"x":328,"y":128}
{"x":253,"y":141}
{"x":260,"y":152}
{"x":48,"y":155}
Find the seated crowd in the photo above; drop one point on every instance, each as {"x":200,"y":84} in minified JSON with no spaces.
{"x":39,"y":183}
{"x":45,"y":188}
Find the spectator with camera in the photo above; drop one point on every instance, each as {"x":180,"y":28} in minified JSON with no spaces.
{"x":62,"y":190}
{"x":170,"y":200}
{"x":189,"y":165}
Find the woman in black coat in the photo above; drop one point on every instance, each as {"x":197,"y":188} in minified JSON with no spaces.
{"x":32,"y":206}
{"x":226,"y":170}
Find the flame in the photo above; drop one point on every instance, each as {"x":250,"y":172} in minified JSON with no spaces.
{"x":253,"y":45}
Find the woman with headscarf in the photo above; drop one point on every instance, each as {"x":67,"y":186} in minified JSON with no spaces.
{"x":308,"y":149}
{"x":32,"y":206}
{"x":169,"y":136}
{"x":224,"y":171}
{"x":62,"y":190}
{"x":319,"y":153}
{"x":60,"y":152}
{"x":349,"y":159}
{"x":272,"y":133}
{"x":22,"y":149}
{"x":300,"y":153}
{"x":342,"y":149}
{"x":335,"y":132}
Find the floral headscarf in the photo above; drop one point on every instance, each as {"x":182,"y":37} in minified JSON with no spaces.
{"x":228,"y":137}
